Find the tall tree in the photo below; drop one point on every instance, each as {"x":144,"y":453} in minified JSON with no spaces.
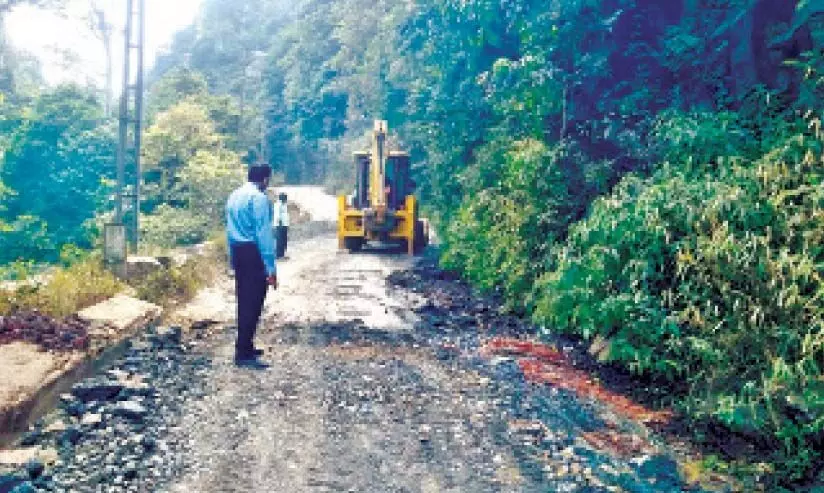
{"x":57,"y":166}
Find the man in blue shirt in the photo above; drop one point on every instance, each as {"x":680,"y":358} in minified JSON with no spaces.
{"x":252,"y":251}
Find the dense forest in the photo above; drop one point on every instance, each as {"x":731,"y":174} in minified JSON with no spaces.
{"x":645,"y":174}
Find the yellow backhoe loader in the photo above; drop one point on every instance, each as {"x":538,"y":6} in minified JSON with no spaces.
{"x":383,"y":207}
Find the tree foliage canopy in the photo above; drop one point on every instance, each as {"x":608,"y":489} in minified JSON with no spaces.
{"x":645,"y":171}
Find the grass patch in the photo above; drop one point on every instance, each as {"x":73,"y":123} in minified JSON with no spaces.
{"x":171,"y":285}
{"x":178,"y":284}
{"x":69,"y":290}
{"x":83,"y":280}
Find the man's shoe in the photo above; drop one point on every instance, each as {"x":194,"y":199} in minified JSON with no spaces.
{"x":251,"y":363}
{"x":254,"y":354}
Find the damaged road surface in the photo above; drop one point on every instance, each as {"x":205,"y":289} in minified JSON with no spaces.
{"x":354,"y":400}
{"x":378,"y":383}
{"x":370,"y":392}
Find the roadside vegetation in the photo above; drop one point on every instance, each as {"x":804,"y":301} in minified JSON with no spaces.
{"x":57,"y":170}
{"x":66,"y":290}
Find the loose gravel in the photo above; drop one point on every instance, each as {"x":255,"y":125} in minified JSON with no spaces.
{"x":346,"y":406}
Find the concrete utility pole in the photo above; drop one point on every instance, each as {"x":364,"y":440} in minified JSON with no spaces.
{"x":127,"y":212}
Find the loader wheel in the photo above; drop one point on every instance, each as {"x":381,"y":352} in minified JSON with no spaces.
{"x":353,"y":244}
{"x":421,"y":238}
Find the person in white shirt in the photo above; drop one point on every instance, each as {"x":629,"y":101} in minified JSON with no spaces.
{"x":280,"y":222}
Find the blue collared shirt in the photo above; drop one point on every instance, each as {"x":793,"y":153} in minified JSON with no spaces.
{"x":249,"y":219}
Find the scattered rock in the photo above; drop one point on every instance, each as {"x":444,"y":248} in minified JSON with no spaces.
{"x":447,"y":351}
{"x":92,"y":419}
{"x":167,"y":336}
{"x":130,"y":471}
{"x":148,"y":443}
{"x":55,"y":428}
{"x":96,"y":390}
{"x":18,"y":458}
{"x":135,"y":387}
{"x":44,"y":483}
{"x":118,"y":374}
{"x":25,"y":487}
{"x":71,"y":436}
{"x":75,"y":409}
{"x":35,"y":468}
{"x":31,"y":438}
{"x":130,"y":409}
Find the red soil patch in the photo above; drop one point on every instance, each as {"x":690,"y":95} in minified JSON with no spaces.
{"x":70,"y":333}
{"x":544,"y":364}
{"x":618,"y":444}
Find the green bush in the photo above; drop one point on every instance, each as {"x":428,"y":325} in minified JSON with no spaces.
{"x":169,"y":227}
{"x":498,"y":233}
{"x":68,"y":290}
{"x":18,"y":270}
{"x":180,"y":283}
{"x":169,"y":285}
{"x":504,"y":235}
{"x":709,"y":276}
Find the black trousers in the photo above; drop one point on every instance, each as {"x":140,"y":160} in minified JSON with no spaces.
{"x":250,"y":287}
{"x":282,"y":239}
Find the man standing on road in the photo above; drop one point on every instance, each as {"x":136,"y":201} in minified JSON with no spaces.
{"x":281,"y":221}
{"x":252,"y":251}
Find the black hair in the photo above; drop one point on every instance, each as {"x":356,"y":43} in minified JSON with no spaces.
{"x":259,"y":172}
{"x":282,"y":197}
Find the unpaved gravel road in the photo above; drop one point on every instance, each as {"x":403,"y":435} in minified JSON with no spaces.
{"x":358,"y":398}
{"x":345,"y":406}
{"x":375,"y":386}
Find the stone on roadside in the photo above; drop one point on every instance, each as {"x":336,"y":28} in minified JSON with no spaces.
{"x":66,"y":398}
{"x":167,"y":336}
{"x":71,"y":436}
{"x":135,"y":387}
{"x":130,"y":470}
{"x":34,"y":468}
{"x":25,"y":487}
{"x":92,"y":419}
{"x":54,"y":428}
{"x":132,"y":410}
{"x":118,"y":374}
{"x":30,"y":438}
{"x":75,"y":409}
{"x":96,"y":390}
{"x":148,"y":443}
